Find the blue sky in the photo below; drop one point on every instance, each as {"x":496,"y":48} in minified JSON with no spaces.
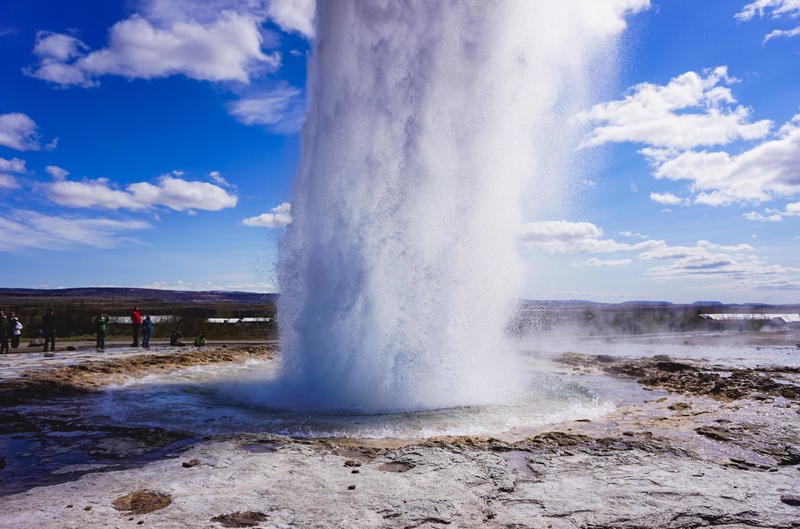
{"x":153,"y":143}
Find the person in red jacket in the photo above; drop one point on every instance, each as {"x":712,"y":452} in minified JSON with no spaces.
{"x":136,"y":321}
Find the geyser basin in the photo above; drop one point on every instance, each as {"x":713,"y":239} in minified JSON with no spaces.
{"x":197,"y":400}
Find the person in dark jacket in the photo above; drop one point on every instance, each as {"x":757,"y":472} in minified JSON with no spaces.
{"x":174,"y":339}
{"x":5,"y":332}
{"x":49,"y":330}
{"x":101,"y":328}
{"x":136,"y":323}
{"x":147,"y":330}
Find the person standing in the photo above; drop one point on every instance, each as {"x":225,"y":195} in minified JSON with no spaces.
{"x":49,"y":330}
{"x":147,"y":330}
{"x":136,"y":323}
{"x":5,"y":332}
{"x":16,"y":330}
{"x":100,"y":328}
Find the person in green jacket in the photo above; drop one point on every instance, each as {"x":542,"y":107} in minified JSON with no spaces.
{"x":200,"y":341}
{"x":101,"y":327}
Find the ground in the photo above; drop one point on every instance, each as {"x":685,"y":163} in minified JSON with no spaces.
{"x":713,"y":447}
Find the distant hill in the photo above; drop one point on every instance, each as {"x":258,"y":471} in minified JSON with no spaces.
{"x":23,"y":295}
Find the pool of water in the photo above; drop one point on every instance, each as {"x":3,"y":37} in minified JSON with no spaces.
{"x":195,"y":400}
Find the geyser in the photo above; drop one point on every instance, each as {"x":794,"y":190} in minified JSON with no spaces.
{"x":425,"y":120}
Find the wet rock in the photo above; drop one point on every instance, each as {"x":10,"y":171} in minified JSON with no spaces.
{"x":87,"y":508}
{"x":351,"y":487}
{"x":396,"y":466}
{"x":791,"y":499}
{"x":142,"y":502}
{"x":191,"y":463}
{"x":352,"y":463}
{"x":679,"y":406}
{"x":714,"y":432}
{"x":240,"y":519}
{"x":605,"y":359}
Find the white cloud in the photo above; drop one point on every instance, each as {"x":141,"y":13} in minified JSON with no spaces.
{"x":634,"y":235}
{"x":217,"y":177}
{"x":227,"y":49}
{"x":289,"y":15}
{"x":18,"y":131}
{"x":668,"y":199}
{"x":8,"y":181}
{"x":281,"y":216}
{"x":214,"y":285}
{"x":755,"y":216}
{"x":14,"y":165}
{"x":692,"y":110}
{"x":20,"y":229}
{"x":595,"y":262}
{"x":760,"y":174}
{"x":171,"y":192}
{"x":56,"y":172}
{"x":733,"y":264}
{"x":281,"y":109}
{"x":589,"y":183}
{"x":294,"y":15}
{"x":778,"y":33}
{"x":775,"y":7}
{"x":58,"y":46}
{"x":773,"y":215}
{"x":565,"y":237}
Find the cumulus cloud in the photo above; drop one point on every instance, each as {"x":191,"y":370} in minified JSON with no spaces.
{"x":595,"y":262}
{"x":217,"y":177}
{"x":14,"y":165}
{"x":56,"y":172}
{"x":738,"y":264}
{"x":21,"y":229}
{"x":18,"y":131}
{"x":280,"y":109}
{"x":565,"y":237}
{"x":778,"y":33}
{"x":294,"y":15}
{"x":668,"y":199}
{"x":773,"y":215}
{"x":775,"y":8}
{"x":760,"y":174}
{"x":227,"y":49}
{"x":634,"y":235}
{"x":693,"y":109}
{"x":8,"y":181}
{"x":730,"y":264}
{"x":281,"y":216}
{"x":169,"y":191}
{"x":289,"y":15}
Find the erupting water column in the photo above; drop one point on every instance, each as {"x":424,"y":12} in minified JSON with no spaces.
{"x":425,"y":118}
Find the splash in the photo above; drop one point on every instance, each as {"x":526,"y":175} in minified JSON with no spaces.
{"x":426,"y":120}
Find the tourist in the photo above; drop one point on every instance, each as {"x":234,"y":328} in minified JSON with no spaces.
{"x":173,"y":339}
{"x":147,"y":327}
{"x":16,"y":330}
{"x":101,"y":327}
{"x":136,"y":322}
{"x":4,"y":332}
{"x":200,"y":341}
{"x":49,"y":330}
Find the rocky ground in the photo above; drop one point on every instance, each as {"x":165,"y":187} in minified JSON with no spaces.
{"x":721,"y":448}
